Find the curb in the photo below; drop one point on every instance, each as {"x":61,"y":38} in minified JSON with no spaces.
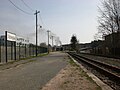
{"x":95,"y":79}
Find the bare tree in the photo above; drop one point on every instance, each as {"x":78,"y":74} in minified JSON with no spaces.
{"x":98,"y":36}
{"x":109,"y":19}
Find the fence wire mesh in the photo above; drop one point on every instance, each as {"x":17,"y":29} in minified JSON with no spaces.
{"x":16,"y":50}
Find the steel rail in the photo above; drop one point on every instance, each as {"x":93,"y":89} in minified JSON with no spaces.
{"x":101,"y":67}
{"x":108,"y":66}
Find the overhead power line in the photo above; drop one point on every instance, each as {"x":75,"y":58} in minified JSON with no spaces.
{"x":27,"y":5}
{"x":20,"y":8}
{"x":42,"y":21}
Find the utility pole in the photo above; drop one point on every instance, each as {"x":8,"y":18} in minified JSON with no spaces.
{"x":36,"y":28}
{"x":48,"y":40}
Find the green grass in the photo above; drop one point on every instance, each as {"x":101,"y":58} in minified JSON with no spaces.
{"x":72,"y":62}
{"x":8,"y":63}
{"x":90,"y":79}
{"x":83,"y":74}
{"x":66,"y":82}
{"x":43,"y":54}
{"x":98,"y":88}
{"x":40,"y":55}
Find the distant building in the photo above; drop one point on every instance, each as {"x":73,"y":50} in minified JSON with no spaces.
{"x":85,"y":47}
{"x":2,"y":41}
{"x":112,"y":42}
{"x":22,"y":41}
{"x":66,"y":47}
{"x":19,"y":40}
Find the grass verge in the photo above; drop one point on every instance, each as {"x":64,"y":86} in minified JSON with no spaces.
{"x":83,"y":73}
{"x":39,"y":55}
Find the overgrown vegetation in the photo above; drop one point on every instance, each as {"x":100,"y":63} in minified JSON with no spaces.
{"x":109,"y":18}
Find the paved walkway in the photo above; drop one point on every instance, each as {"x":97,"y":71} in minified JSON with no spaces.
{"x":32,"y":75}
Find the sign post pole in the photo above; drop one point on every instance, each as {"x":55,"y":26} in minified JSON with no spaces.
{"x":10,"y":37}
{"x":6,"y":46}
{"x":11,"y":50}
{"x":0,"y":49}
{"x":15,"y":50}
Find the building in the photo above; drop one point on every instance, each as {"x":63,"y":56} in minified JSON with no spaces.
{"x":112,"y":42}
{"x":2,"y":41}
{"x":66,"y":47}
{"x":81,"y":47}
{"x":19,"y":40}
{"x":22,"y":41}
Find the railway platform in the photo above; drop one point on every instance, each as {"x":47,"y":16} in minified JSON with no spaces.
{"x":75,"y":77}
{"x":55,"y":71}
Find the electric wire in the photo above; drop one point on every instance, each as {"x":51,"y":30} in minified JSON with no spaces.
{"x":20,"y":8}
{"x":27,"y":5}
{"x":43,"y":24}
{"x":39,"y":17}
{"x":51,"y":34}
{"x":42,"y":21}
{"x":29,"y":13}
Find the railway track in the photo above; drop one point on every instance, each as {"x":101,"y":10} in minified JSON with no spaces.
{"x":110,"y":61}
{"x":109,"y":71}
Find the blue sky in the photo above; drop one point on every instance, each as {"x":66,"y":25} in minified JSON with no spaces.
{"x":62,"y":17}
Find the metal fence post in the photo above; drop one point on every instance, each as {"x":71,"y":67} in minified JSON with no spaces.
{"x":15,"y":50}
{"x":38,"y":49}
{"x":11,"y":50}
{"x":33,"y":50}
{"x":25,"y":50}
{"x":29,"y":50}
{"x":0,"y":49}
{"x":19,"y":51}
{"x":6,"y":46}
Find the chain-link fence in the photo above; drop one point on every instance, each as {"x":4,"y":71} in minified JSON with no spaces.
{"x":12,"y":50}
{"x":17,"y":52}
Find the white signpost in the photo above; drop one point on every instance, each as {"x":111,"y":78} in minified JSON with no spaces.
{"x":11,"y":36}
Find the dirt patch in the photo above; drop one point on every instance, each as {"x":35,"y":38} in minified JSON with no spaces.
{"x":71,"y":77}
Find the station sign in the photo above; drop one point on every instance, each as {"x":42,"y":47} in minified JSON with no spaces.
{"x":11,"y":36}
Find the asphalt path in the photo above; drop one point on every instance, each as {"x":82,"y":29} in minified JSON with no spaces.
{"x":34,"y":74}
